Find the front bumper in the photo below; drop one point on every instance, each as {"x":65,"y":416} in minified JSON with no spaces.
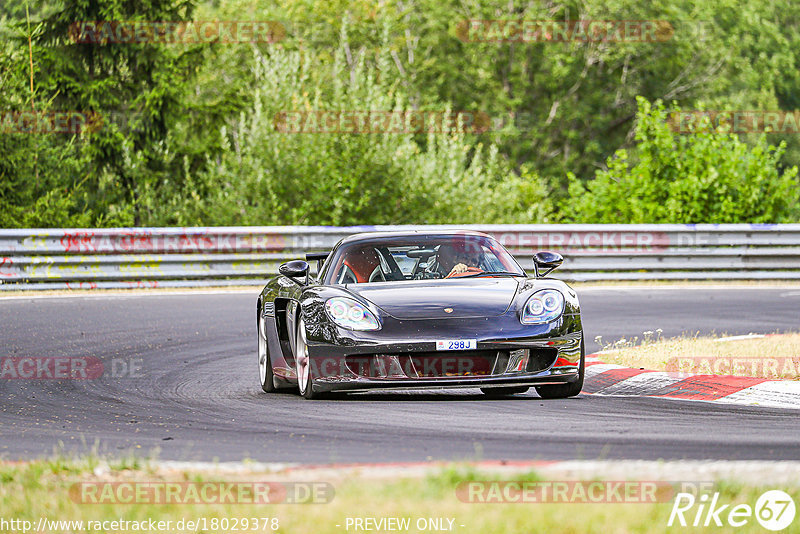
{"x":360,"y":384}
{"x":403,"y":355}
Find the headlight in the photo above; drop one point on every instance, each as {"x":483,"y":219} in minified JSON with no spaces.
{"x":544,"y":306}
{"x":349,"y":314}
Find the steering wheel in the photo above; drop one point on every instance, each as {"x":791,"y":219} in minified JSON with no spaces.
{"x":470,"y":271}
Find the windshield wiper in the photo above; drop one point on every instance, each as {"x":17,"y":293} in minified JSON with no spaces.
{"x":491,"y":273}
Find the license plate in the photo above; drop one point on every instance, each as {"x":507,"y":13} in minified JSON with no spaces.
{"x":457,"y":344}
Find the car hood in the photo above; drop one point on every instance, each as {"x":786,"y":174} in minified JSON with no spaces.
{"x":428,"y":299}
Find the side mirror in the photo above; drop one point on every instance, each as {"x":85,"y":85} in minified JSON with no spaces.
{"x":547,"y":261}
{"x":295,"y":269}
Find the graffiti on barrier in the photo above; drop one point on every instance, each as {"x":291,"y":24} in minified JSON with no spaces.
{"x":186,"y":243}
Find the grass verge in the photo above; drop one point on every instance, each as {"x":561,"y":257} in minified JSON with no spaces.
{"x":33,"y":490}
{"x":775,"y":357}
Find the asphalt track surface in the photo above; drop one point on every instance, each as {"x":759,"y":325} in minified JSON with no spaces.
{"x":195,"y":395}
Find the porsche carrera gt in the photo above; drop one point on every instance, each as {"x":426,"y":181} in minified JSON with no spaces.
{"x":420,"y":310}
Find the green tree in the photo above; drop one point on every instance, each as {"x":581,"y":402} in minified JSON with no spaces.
{"x":703,"y":177}
{"x":143,"y":83}
{"x":189,"y":137}
{"x":40,"y":174}
{"x":267,"y":176}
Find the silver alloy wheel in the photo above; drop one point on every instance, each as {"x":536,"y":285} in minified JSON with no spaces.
{"x":262,"y":353}
{"x":301,"y":358}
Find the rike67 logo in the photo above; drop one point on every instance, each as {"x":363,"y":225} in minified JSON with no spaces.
{"x":774,"y":510}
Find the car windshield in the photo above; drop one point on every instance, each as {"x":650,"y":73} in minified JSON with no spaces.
{"x":394,"y":259}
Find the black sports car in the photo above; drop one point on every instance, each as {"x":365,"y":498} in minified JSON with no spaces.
{"x":416,"y":310}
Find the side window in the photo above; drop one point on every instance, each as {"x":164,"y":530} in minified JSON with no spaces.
{"x":491,"y":261}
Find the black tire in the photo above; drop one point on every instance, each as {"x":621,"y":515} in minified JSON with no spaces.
{"x":562,"y":391}
{"x":504,"y":392}
{"x":265,"y":375}
{"x":303,"y":367}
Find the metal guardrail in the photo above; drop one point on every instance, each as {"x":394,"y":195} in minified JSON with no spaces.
{"x":187,"y":257}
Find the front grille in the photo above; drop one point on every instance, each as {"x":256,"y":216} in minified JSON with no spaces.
{"x":436,"y":364}
{"x":455,"y":363}
{"x":442,"y":364}
{"x":540,"y":359}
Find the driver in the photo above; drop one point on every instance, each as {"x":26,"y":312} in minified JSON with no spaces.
{"x":456,"y":260}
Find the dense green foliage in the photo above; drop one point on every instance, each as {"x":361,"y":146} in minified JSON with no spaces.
{"x":708,"y":177}
{"x":189,"y":134}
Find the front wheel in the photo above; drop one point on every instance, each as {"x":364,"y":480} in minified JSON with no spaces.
{"x":562,"y":391}
{"x":303,"y":367}
{"x":265,"y":374}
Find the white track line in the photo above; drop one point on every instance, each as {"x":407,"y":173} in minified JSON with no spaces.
{"x":775,"y":394}
{"x":641,"y":384}
{"x":596,"y":369}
